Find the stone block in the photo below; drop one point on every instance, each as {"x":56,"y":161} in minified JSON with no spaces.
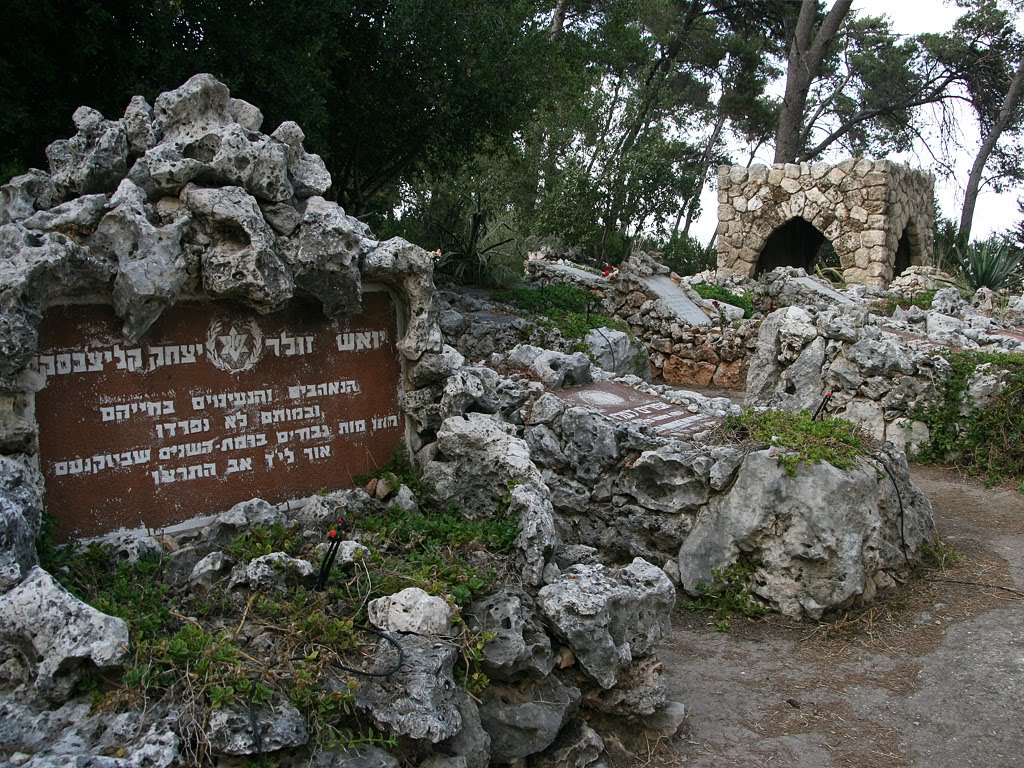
{"x":678,"y":371}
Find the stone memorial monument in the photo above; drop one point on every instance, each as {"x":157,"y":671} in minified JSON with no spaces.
{"x":186,"y":322}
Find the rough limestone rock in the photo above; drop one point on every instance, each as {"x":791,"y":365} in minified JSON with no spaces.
{"x":58,"y":633}
{"x":72,"y":735}
{"x":357,"y":757}
{"x":814,"y":539}
{"x":151,"y":265}
{"x":638,"y":690}
{"x":668,"y":479}
{"x":409,"y":269}
{"x":277,"y":571}
{"x":472,"y":744}
{"x":95,"y":159}
{"x":241,"y":262}
{"x":23,"y":195}
{"x":36,"y":267}
{"x":472,"y":388}
{"x":521,"y":647}
{"x":77,"y":217}
{"x":591,"y":443}
{"x":209,"y":570}
{"x":21,"y":510}
{"x":535,"y":544}
{"x":239,"y":519}
{"x":555,"y":370}
{"x":308,"y":172}
{"x":609,"y":617}
{"x":785,"y":371}
{"x":323,"y":254}
{"x":616,"y":352}
{"x":524,"y":719}
{"x":411,"y":610}
{"x":482,"y":459}
{"x":230,"y":730}
{"x":577,"y":746}
{"x":420,"y":700}
{"x":437,"y":367}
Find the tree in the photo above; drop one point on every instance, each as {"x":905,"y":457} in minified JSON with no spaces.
{"x":850,"y":81}
{"x":810,"y":44}
{"x":987,"y":54}
{"x":384,"y":89}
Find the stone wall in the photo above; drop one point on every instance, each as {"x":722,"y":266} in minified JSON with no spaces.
{"x":714,"y":353}
{"x":878,"y":215}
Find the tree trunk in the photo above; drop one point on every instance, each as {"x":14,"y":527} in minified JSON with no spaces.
{"x":806,"y":54}
{"x":1011,"y":102}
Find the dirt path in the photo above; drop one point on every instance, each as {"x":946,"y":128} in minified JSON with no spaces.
{"x":930,"y":676}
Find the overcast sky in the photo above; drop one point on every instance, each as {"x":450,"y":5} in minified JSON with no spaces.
{"x":994,"y":212}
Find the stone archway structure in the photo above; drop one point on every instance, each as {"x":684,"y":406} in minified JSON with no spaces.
{"x":878,"y":215}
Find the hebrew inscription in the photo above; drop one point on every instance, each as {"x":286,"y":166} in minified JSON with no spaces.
{"x":215,"y":407}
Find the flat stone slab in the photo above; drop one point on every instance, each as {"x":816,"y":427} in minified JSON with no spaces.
{"x":579,"y":274}
{"x":824,"y":290}
{"x":622,"y":403}
{"x":676,"y":299}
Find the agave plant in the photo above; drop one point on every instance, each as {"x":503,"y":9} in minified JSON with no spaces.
{"x":989,"y":263}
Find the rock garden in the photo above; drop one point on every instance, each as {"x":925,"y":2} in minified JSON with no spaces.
{"x":498,"y":593}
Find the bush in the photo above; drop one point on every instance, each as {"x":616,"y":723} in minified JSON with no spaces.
{"x":565,"y":306}
{"x":685,"y":255}
{"x":989,"y":441}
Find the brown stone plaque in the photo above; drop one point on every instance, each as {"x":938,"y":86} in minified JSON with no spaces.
{"x":214,"y":407}
{"x":625,"y":404}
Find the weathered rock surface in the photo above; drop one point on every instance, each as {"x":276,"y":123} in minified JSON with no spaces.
{"x":535,"y":544}
{"x":526,"y":718}
{"x":411,"y":610}
{"x":419,"y":700}
{"x":481,"y":459}
{"x":520,"y":647}
{"x":609,"y":617}
{"x":813,"y":539}
{"x":21,"y":510}
{"x":280,"y":725}
{"x":554,"y":369}
{"x":58,"y":634}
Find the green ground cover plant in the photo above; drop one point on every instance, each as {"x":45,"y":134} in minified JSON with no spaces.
{"x":804,"y":439}
{"x":194,"y":647}
{"x":727,"y":595}
{"x":565,"y":307}
{"x":987,"y":441}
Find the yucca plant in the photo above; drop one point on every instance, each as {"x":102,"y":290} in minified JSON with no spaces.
{"x":989,"y":263}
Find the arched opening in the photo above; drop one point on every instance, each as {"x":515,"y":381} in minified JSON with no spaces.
{"x":902,"y":255}
{"x":793,"y":244}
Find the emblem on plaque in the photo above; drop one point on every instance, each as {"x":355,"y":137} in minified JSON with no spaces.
{"x":236,"y":347}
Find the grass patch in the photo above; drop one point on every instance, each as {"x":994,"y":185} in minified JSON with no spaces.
{"x":987,"y":441}
{"x":804,"y":440}
{"x":564,"y":307}
{"x":220,"y":648}
{"x":718,"y":293}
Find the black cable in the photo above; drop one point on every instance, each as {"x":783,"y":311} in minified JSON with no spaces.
{"x":899,"y":499}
